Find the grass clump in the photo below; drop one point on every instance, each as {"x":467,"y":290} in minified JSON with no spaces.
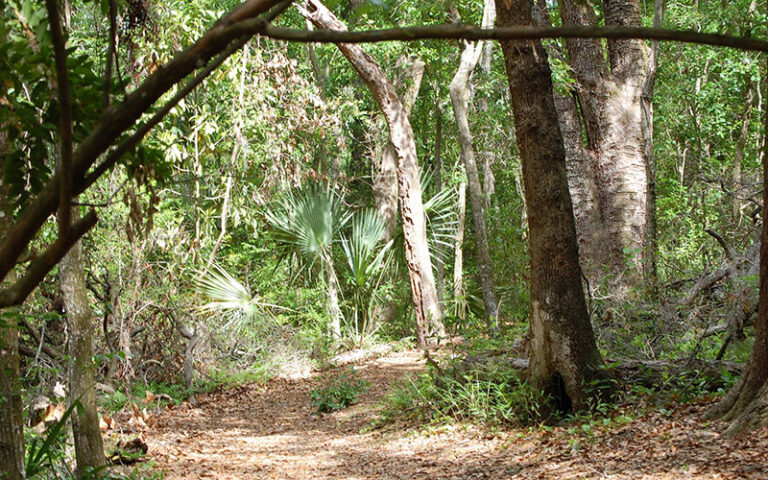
{"x":338,"y":391}
{"x":492,"y":396}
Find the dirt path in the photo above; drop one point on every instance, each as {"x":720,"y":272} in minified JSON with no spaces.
{"x":273,"y":433}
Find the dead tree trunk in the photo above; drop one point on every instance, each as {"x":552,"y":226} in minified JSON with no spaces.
{"x":423,"y":290}
{"x":563,"y":350}
{"x":89,"y":449}
{"x":460,"y":100}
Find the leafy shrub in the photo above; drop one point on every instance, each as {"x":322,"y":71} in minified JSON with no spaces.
{"x":338,"y":391}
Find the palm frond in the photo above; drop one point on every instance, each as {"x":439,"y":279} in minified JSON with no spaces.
{"x":360,"y":248}
{"x":307,"y":221}
{"x":442,"y":222}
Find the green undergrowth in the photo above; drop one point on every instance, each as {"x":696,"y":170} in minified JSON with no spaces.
{"x":493,"y":397}
{"x":497,"y":396}
{"x":338,"y":390}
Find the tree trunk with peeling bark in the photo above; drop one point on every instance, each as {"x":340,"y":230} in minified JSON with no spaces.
{"x":470,"y":56}
{"x":89,"y":449}
{"x":564,"y":354}
{"x":385,"y":189}
{"x":11,"y":426}
{"x":611,"y":99}
{"x":423,"y":290}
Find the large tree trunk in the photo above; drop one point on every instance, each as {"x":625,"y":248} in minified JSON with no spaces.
{"x":460,"y":100}
{"x":89,"y":450}
{"x":11,"y":427}
{"x":423,"y":290}
{"x":563,"y":350}
{"x":612,"y":114}
{"x":746,"y":404}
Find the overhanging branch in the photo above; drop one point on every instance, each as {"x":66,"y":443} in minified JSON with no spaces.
{"x":471,"y":32}
{"x":18,"y":292}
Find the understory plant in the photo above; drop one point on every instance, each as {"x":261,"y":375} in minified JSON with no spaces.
{"x":338,"y":391}
{"x":493,"y":396}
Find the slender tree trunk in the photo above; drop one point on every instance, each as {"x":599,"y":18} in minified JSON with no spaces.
{"x":385,"y":189}
{"x":423,"y":290}
{"x":89,"y":450}
{"x":239,"y":144}
{"x":649,"y":257}
{"x":334,"y":310}
{"x":563,"y":350}
{"x":746,"y":404}
{"x":458,"y":260}
{"x":11,"y":426}
{"x":741,"y":141}
{"x":460,"y":100}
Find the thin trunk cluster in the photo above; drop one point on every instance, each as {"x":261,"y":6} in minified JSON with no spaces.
{"x":460,"y":93}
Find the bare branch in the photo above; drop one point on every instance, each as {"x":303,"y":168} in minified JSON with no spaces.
{"x":723,"y":243}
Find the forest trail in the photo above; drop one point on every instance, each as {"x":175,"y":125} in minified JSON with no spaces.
{"x":272,"y":432}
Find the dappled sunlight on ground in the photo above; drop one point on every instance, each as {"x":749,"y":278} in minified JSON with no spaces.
{"x":274,"y":433}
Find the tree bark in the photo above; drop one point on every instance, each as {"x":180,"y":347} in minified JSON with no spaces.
{"x":460,"y":100}
{"x":11,"y":426}
{"x":89,"y":450}
{"x":423,"y":290}
{"x":746,"y":404}
{"x":333,"y":308}
{"x":612,"y":115}
{"x":564,"y":354}
{"x":385,"y":189}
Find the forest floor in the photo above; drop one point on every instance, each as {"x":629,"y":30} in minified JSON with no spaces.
{"x":272,"y":432}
